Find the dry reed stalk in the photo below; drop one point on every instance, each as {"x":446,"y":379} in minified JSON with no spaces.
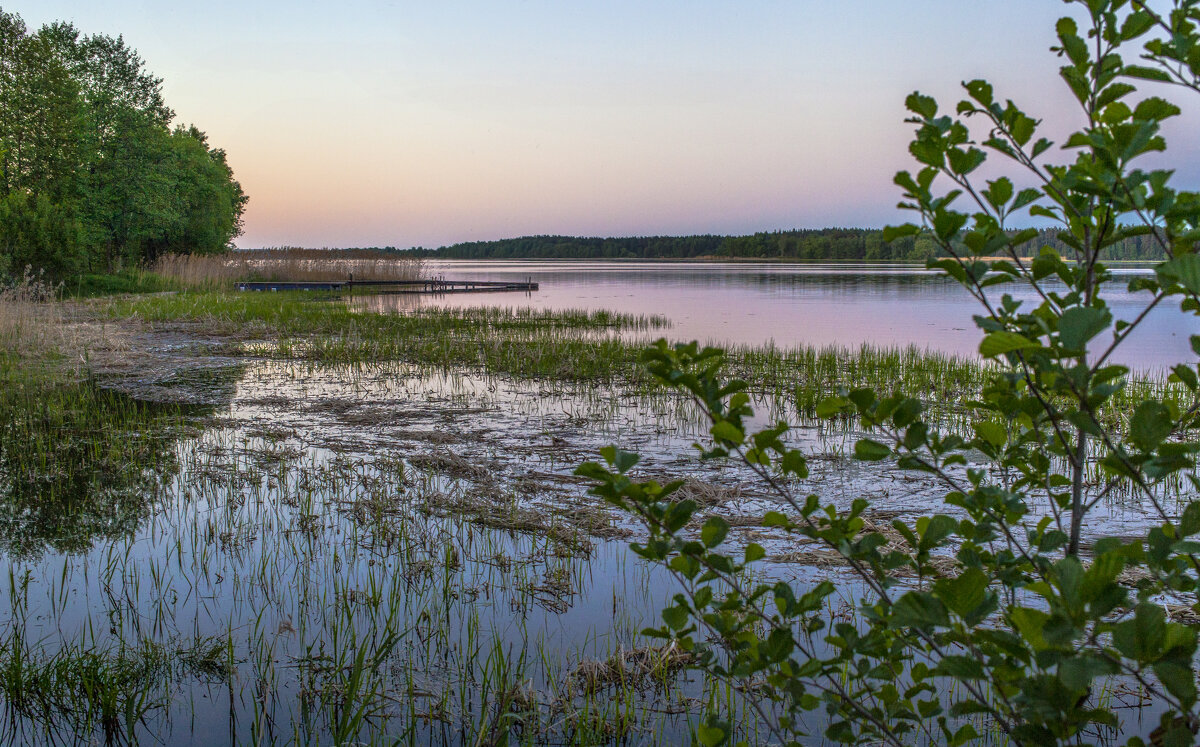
{"x":31,"y":319}
{"x":300,"y":265}
{"x":35,"y":323}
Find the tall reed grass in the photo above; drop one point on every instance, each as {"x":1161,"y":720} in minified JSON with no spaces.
{"x":30,"y":319}
{"x":301,"y":265}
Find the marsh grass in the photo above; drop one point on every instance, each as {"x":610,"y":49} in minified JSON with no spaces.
{"x":77,"y":462}
{"x":31,"y":322}
{"x":300,"y":265}
{"x":586,"y":347}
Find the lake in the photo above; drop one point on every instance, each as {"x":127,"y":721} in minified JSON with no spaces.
{"x":790,"y":304}
{"x":224,"y":538}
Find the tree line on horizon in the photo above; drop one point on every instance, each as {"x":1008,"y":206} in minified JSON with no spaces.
{"x":801,"y":244}
{"x":93,"y":176}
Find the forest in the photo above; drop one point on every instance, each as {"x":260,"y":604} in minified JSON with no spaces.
{"x":802,"y":244}
{"x":94,"y":177}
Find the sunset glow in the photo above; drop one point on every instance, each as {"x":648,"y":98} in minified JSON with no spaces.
{"x":424,"y":124}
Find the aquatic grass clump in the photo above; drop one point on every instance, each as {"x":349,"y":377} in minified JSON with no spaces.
{"x":82,"y":689}
{"x":77,"y":462}
{"x":518,"y":317}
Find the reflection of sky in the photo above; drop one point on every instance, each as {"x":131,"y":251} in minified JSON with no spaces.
{"x":790,"y":304}
{"x":401,"y":123}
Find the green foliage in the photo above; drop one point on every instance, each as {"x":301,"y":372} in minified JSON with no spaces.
{"x":107,"y":284}
{"x":92,"y":177}
{"x":1016,"y":617}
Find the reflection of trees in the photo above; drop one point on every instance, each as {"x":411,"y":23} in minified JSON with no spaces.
{"x":80,"y":463}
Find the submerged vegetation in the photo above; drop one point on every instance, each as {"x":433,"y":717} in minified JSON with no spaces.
{"x":563,"y":345}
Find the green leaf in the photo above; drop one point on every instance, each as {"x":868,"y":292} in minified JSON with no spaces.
{"x":1150,"y":425}
{"x":871,"y":451}
{"x":924,"y":106}
{"x":1186,"y":376}
{"x":622,"y":460}
{"x":1180,"y":681}
{"x":1155,"y":109}
{"x":1184,"y":270}
{"x":714,"y":531}
{"x":999,"y":192}
{"x":831,"y":406}
{"x":675,"y":617}
{"x":1143,"y":72}
{"x":1141,"y":638}
{"x":991,"y":432}
{"x":981,"y":91}
{"x":1189,"y":523}
{"x":891,"y":233}
{"x":710,"y":735}
{"x":960,"y":668}
{"x":934,"y":529}
{"x":726,"y":431}
{"x":1078,"y":325}
{"x":775,"y":519}
{"x":999,"y":343}
{"x":964,"y":594}
{"x":794,"y":463}
{"x":1030,"y":624}
{"x":1078,"y":672}
{"x":918,"y":609}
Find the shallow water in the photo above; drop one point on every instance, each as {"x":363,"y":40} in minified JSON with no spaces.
{"x":325,"y":508}
{"x":431,"y":520}
{"x":788,"y":304}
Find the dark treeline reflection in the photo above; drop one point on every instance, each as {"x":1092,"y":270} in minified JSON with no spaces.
{"x":80,"y":463}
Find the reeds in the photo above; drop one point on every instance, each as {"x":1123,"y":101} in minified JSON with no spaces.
{"x":30,"y":320}
{"x":299,"y":265}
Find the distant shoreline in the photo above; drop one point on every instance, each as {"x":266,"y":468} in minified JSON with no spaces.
{"x":700,"y":260}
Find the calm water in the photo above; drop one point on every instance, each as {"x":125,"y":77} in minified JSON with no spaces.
{"x":816,"y":304}
{"x":221,"y":579}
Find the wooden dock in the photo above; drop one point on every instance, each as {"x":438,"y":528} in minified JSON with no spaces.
{"x":394,"y":286}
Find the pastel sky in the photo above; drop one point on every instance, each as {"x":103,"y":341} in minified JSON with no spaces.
{"x":360,"y":123}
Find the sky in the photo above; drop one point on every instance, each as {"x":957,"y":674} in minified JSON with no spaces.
{"x":359,"y":123}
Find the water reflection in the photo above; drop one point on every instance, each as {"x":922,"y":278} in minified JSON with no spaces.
{"x":812,"y":304}
{"x":82,"y":464}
